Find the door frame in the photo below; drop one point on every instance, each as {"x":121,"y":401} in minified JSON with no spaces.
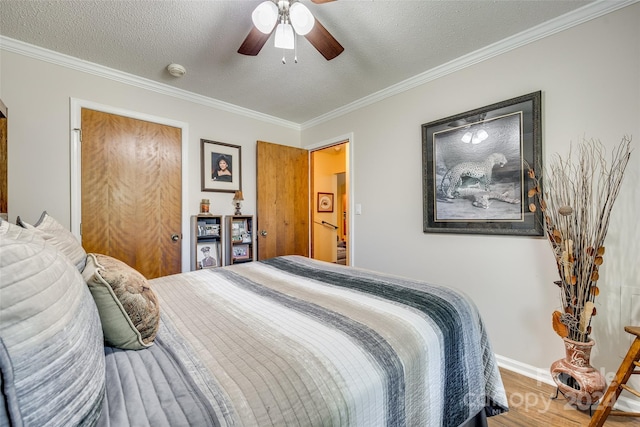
{"x":75,"y":106}
{"x":350,"y":185}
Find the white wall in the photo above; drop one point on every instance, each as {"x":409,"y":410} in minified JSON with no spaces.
{"x":38,"y":94}
{"x":590,"y":79}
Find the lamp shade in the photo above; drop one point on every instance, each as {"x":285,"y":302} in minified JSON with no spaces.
{"x":301,"y":18}
{"x":265,"y":16}
{"x":284,"y":36}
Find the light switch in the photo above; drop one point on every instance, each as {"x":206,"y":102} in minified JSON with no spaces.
{"x":358,"y":209}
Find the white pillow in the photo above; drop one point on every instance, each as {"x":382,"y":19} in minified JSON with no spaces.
{"x":58,"y":236}
{"x":9,"y":230}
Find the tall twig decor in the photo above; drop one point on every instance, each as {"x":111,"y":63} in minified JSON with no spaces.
{"x":576,"y":200}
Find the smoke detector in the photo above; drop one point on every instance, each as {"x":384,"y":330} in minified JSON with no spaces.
{"x":176,"y":70}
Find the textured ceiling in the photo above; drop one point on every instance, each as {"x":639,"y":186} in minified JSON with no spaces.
{"x":386,"y":42}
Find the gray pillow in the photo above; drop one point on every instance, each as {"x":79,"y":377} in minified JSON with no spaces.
{"x":128,"y":307}
{"x":60,"y":237}
{"x":9,"y":409}
{"x":51,"y":331}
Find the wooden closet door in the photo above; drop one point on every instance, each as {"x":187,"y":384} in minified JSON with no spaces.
{"x":282,"y":200}
{"x":131,"y":186}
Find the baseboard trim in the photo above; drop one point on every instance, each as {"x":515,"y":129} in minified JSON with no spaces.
{"x":544,"y":376}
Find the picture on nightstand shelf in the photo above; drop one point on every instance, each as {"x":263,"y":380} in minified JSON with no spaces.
{"x":212,"y":230}
{"x":206,"y":229}
{"x":241,"y":252}
{"x":239,"y":231}
{"x":208,"y":255}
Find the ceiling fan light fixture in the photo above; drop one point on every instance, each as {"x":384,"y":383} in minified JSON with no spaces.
{"x":265,"y":16}
{"x":301,"y":18}
{"x":292,"y":18}
{"x":284,"y":36}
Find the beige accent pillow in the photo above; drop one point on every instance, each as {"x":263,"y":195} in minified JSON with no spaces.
{"x":128,"y":307}
{"x":59,"y":237}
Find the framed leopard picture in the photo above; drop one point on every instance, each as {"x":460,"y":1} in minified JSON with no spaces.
{"x":474,"y":169}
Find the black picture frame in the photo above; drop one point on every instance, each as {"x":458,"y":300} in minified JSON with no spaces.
{"x":211,"y":154}
{"x":456,"y":154}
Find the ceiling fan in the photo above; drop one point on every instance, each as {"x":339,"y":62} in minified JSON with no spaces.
{"x":290,"y":16}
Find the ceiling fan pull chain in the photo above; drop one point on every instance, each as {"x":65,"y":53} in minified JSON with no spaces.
{"x":284,"y":61}
{"x":295,"y":48}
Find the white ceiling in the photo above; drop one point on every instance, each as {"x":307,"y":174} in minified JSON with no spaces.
{"x":386,"y":43}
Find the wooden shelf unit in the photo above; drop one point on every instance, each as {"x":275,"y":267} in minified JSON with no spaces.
{"x":241,"y":239}
{"x":208,"y":241}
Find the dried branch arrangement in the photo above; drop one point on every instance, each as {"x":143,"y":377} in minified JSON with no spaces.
{"x":576,"y":200}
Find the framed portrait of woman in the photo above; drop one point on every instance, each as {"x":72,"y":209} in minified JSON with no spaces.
{"x":220,"y":166}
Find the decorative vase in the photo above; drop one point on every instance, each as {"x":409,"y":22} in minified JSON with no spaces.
{"x":576,"y":379}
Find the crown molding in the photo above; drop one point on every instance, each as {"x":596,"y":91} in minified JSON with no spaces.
{"x":586,"y":13}
{"x":561,"y":23}
{"x":39,"y":53}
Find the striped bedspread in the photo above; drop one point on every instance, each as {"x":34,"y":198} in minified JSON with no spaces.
{"x":296,"y":342}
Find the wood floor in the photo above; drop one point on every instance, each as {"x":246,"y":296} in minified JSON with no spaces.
{"x":530,"y":405}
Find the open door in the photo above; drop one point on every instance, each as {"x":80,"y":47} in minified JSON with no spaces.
{"x":282,"y":200}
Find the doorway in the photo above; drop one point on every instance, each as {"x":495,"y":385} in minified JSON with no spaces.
{"x":287,"y":200}
{"x":330,"y":203}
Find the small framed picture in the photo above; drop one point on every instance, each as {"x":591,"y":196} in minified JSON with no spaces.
{"x":202,"y":228}
{"x":220,"y":166}
{"x":212,"y":230}
{"x":238,"y":229}
{"x":325,"y":202}
{"x":207,"y":255}
{"x":241,"y":252}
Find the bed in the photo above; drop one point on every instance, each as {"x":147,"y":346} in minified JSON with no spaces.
{"x":288,"y":341}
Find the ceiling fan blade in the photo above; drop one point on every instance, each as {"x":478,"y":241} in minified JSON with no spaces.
{"x":254,"y":42}
{"x":322,"y":40}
